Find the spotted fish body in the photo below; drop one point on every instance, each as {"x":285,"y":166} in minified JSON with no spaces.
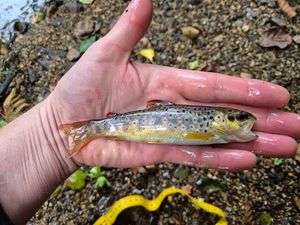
{"x":167,"y":123}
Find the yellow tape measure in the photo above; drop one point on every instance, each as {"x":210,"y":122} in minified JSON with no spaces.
{"x":152,"y":205}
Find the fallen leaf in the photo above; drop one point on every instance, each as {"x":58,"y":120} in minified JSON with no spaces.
{"x":86,"y":1}
{"x":148,"y":53}
{"x":14,"y":105}
{"x":2,"y":123}
{"x":56,"y":192}
{"x":187,"y":188}
{"x":95,"y":172}
{"x":286,"y":8}
{"x":278,"y":161}
{"x":193,"y":65}
{"x":276,"y":36}
{"x":265,"y":218}
{"x":77,"y":180}
{"x":86,"y":43}
{"x":37,"y":17}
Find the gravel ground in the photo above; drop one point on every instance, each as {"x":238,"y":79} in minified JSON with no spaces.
{"x":226,"y":41}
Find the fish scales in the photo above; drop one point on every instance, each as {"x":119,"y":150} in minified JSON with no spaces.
{"x":168,"y":123}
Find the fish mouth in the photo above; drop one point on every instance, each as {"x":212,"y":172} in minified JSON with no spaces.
{"x":245,"y":134}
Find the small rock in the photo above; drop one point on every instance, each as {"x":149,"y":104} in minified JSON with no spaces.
{"x":84,"y":28}
{"x":3,"y":48}
{"x":194,"y":2}
{"x":246,"y":75}
{"x":73,"y":54}
{"x":181,"y":172}
{"x":296,"y":39}
{"x":245,"y":28}
{"x":166,"y":175}
{"x":72,"y":6}
{"x":218,"y":38}
{"x":190,"y":32}
{"x":20,"y":27}
{"x":278,"y":21}
{"x":32,"y":75}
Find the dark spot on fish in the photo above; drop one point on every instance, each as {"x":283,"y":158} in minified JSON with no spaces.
{"x":201,"y":125}
{"x":205,"y":131}
{"x":231,"y":118}
{"x":207,"y":124}
{"x":204,"y":118}
{"x":208,"y":113}
{"x":211,"y":117}
{"x":186,"y":120}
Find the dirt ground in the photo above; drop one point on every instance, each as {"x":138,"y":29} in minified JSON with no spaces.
{"x":227,"y":42}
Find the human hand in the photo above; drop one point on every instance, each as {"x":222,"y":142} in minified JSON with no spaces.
{"x":104,"y":80}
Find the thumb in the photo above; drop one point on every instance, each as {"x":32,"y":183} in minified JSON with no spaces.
{"x":131,"y":26}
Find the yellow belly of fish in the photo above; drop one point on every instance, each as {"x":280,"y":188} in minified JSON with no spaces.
{"x":160,"y":135}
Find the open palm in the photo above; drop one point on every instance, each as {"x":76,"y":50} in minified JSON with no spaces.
{"x":104,"y":80}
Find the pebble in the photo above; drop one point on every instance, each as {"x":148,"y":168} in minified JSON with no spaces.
{"x":190,"y":32}
{"x":181,"y":172}
{"x":296,"y":39}
{"x":20,"y":27}
{"x":246,"y":75}
{"x":73,"y":54}
{"x":166,"y":175}
{"x":84,"y":28}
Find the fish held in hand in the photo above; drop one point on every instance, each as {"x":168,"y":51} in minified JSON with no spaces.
{"x":166,"y":123}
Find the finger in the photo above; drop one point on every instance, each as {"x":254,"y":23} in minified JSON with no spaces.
{"x":208,"y":87}
{"x":268,"y":145}
{"x":131,"y":26}
{"x":128,"y":154}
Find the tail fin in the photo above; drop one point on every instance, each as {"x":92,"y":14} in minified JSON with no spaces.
{"x":79,"y":134}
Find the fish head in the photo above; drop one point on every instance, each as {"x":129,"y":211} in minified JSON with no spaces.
{"x":234,"y":125}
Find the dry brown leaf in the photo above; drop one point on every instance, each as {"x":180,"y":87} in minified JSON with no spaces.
{"x":249,"y":218}
{"x":187,"y":188}
{"x":286,"y":8}
{"x":297,"y":202}
{"x":275,"y":36}
{"x":13,"y":105}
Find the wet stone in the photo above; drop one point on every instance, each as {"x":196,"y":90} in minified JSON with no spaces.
{"x":181,"y":172}
{"x":73,"y":54}
{"x":84,"y":28}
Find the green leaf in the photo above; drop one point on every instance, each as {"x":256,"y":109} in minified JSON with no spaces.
{"x":37,"y":17}
{"x":2,"y":123}
{"x":277,"y":161}
{"x":95,"y":172}
{"x":86,"y":43}
{"x":77,"y":180}
{"x":86,"y":1}
{"x":265,"y":219}
{"x":101,"y":182}
{"x":148,"y":53}
{"x":193,"y":65}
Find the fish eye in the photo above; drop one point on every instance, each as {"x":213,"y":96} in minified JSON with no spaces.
{"x":241,"y":116}
{"x":231,"y":118}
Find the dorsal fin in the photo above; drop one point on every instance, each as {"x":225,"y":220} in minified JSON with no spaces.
{"x":111,"y":114}
{"x":155,"y":103}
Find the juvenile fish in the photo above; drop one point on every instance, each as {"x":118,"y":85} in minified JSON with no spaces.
{"x":167,"y":123}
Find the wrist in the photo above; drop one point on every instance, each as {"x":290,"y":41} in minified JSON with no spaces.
{"x":33,"y":161}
